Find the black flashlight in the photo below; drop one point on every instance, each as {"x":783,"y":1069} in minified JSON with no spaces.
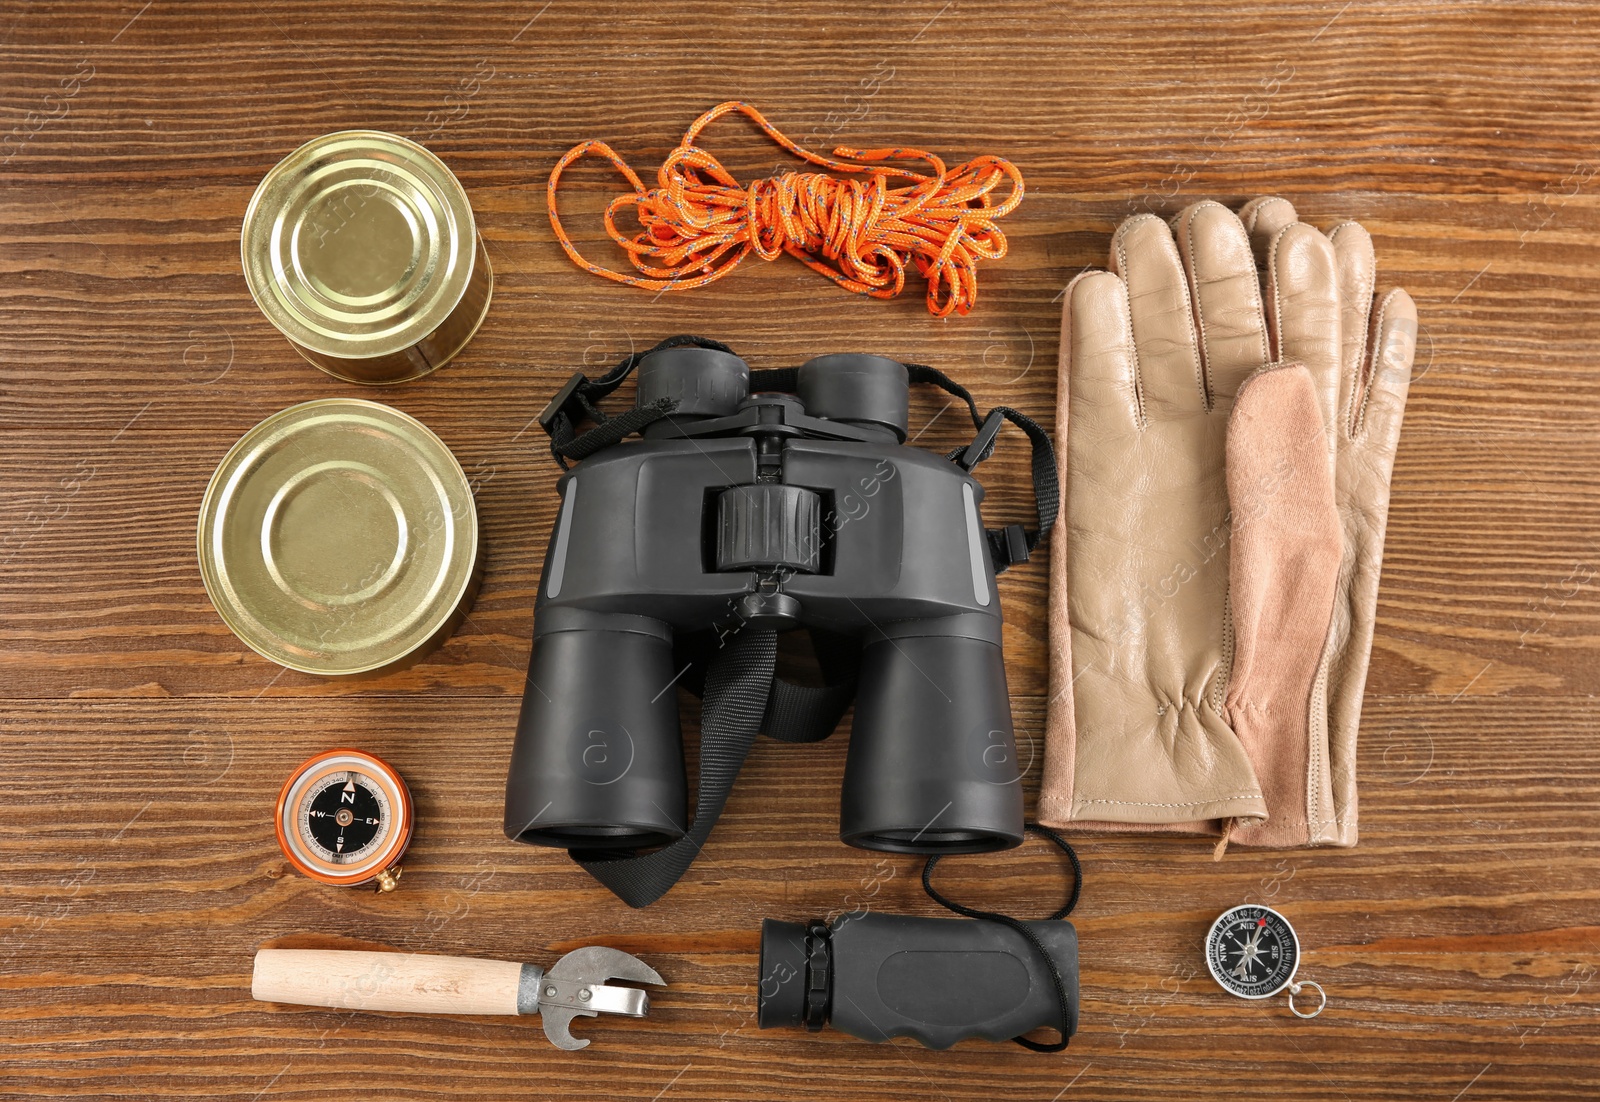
{"x":938,"y":980}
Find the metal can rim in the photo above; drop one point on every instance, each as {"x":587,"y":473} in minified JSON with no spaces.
{"x":416,"y":363}
{"x":438,"y":627}
{"x":443,"y":300}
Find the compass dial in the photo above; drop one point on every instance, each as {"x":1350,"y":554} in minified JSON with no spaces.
{"x":345,"y":817}
{"x":1252,"y":951}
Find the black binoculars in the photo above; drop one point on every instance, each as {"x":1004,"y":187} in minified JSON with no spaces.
{"x":803,"y":509}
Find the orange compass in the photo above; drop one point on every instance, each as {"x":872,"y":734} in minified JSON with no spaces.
{"x":345,"y":817}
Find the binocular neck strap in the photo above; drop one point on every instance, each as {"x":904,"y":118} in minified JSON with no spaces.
{"x":576,"y":400}
{"x":1013,"y":543}
{"x":742,"y":698}
{"x":1007,"y":546}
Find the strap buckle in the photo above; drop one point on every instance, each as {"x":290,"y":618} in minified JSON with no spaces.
{"x":1008,"y":546}
{"x":553,"y":409}
{"x":982,"y":445}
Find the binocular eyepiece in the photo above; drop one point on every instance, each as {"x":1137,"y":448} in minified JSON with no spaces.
{"x":847,"y":387}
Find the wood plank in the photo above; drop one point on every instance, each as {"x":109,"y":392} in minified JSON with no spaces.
{"x":142,"y":745}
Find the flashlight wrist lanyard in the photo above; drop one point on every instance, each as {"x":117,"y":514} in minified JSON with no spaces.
{"x":1021,"y":927}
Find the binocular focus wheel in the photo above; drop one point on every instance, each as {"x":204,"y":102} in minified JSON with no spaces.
{"x":767,"y":525}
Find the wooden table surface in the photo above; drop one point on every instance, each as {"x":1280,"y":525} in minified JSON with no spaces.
{"x":143,"y":745}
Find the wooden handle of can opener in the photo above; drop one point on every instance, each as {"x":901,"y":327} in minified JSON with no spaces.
{"x":417,"y":982}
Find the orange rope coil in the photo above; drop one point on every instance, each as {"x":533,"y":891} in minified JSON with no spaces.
{"x":859,"y":232}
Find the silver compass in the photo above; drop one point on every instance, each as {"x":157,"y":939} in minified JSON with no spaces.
{"x":1253,"y":953}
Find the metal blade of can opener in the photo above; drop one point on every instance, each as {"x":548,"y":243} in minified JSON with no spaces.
{"x":573,"y":986}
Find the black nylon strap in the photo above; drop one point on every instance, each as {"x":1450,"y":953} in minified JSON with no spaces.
{"x":1007,"y":546}
{"x":922,"y":373}
{"x":612,"y":430}
{"x":742,"y":698}
{"x":1032,"y":939}
{"x":1046,"y":489}
{"x":738,"y":683}
{"x":804,"y":713}
{"x":562,"y":425}
{"x":1046,"y":484}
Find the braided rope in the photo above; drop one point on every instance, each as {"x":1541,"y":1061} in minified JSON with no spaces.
{"x":699,"y":223}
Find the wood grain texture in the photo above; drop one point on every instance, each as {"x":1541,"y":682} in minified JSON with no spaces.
{"x":355,"y":979}
{"x":142,"y":746}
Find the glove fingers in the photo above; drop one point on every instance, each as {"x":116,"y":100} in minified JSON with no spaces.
{"x":1357,"y":264}
{"x":1099,"y":344}
{"x":1304,"y":312}
{"x":1166,"y":348}
{"x":1227,"y":296}
{"x":1375,"y":424}
{"x":1366,"y":461}
{"x":1263,"y":219}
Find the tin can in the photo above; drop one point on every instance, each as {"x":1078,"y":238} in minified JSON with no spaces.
{"x":339,"y":537}
{"x":361,"y":248}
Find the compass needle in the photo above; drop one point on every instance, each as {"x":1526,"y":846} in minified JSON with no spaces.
{"x":1253,"y":952}
{"x":345,"y":817}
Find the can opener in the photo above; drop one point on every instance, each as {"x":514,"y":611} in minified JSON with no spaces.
{"x":430,"y":984}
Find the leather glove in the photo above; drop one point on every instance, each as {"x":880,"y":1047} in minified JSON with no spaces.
{"x":1361,"y":384}
{"x":1227,"y":470}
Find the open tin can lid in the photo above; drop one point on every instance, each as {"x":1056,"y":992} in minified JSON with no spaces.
{"x":339,"y":537}
{"x":361,"y":248}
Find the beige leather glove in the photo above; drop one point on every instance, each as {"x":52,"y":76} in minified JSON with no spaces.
{"x":1361,"y":384}
{"x":1146,"y":731}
